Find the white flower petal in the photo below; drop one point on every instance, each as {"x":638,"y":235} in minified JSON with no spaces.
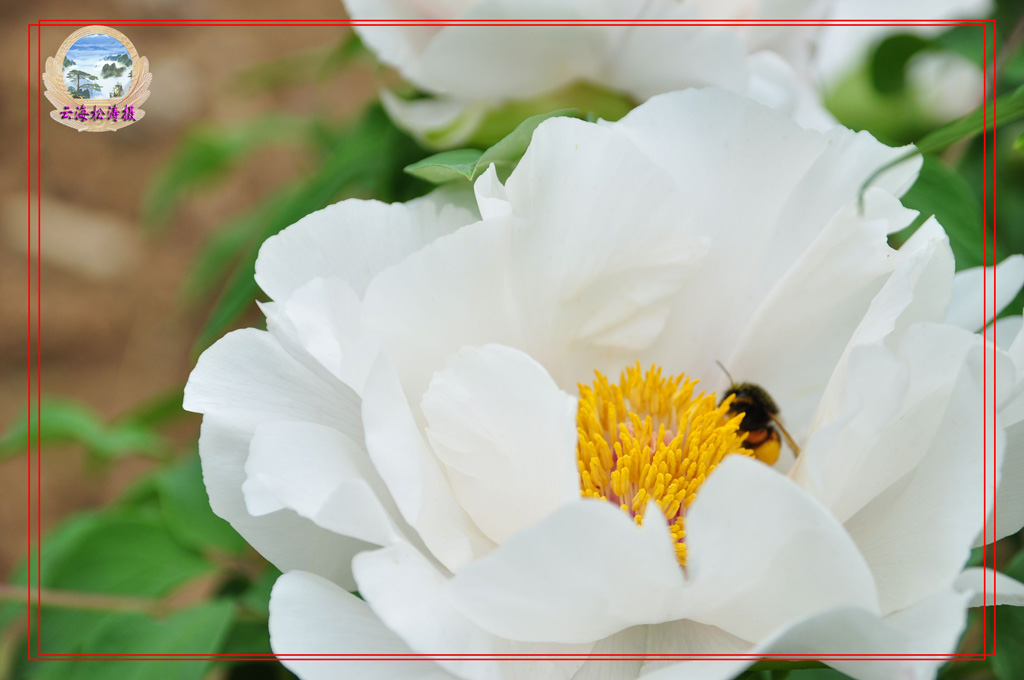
{"x":671,"y":638}
{"x":774,"y":83}
{"x":989,"y":588}
{"x":354,"y":240}
{"x":595,"y":274}
{"x":932,"y":626}
{"x":318,"y":324}
{"x":918,"y":291}
{"x":793,"y":181}
{"x":490,"y":195}
{"x":650,"y":60}
{"x":1009,"y":497}
{"x":310,"y":615}
{"x":283,"y":537}
{"x":437,"y":122}
{"x":980,"y":293}
{"x":247,"y":379}
{"x":506,"y":435}
{"x":424,"y":310}
{"x":805,"y":323}
{"x":399,"y":46}
{"x":762,"y":553}
{"x":250,"y":378}
{"x":320,"y":474}
{"x":501,"y":67}
{"x":1004,"y":332}
{"x":916,"y":534}
{"x":583,"y":573}
{"x":851,"y":458}
{"x":410,"y":596}
{"x":414,"y":478}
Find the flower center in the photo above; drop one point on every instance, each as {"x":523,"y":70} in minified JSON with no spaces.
{"x":650,"y":438}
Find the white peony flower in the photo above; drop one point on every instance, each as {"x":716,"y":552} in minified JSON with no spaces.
{"x":422,"y":421}
{"x":475,"y":70}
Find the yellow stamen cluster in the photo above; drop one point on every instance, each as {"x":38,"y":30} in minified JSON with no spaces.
{"x":649,"y":438}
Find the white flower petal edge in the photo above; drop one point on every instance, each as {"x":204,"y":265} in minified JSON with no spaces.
{"x":359,"y":238}
{"x":553,"y":581}
{"x":506,"y":436}
{"x":980,"y":293}
{"x":310,"y":615}
{"x":325,"y":478}
{"x":243,"y":381}
{"x":932,"y":626}
{"x":989,"y":588}
{"x":409,"y":594}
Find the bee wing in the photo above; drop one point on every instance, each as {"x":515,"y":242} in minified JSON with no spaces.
{"x":789,"y":438}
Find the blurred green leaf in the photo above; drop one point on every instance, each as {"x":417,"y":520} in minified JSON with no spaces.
{"x":157,"y":411}
{"x":446,"y":166}
{"x":369,"y":156}
{"x":198,"y":630}
{"x":889,"y":61}
{"x":942,"y":192}
{"x":247,"y":637}
{"x":229,"y":243}
{"x":965,"y":41}
{"x":1008,"y":663}
{"x":124,"y":551}
{"x":1009,"y":107}
{"x":64,"y":422}
{"x":207,"y":154}
{"x":468,"y":164}
{"x":186,"y":509}
{"x":344,"y":53}
{"x":300,"y":68}
{"x":256,"y":598}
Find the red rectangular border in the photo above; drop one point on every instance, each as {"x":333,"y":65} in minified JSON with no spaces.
{"x":37,"y":79}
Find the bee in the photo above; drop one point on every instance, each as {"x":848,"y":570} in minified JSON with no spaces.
{"x":760,"y":419}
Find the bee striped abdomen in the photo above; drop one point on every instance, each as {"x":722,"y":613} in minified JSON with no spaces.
{"x":759,"y":411}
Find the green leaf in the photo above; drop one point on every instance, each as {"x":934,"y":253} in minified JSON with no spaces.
{"x":889,"y":61}
{"x":198,"y":630}
{"x":942,"y":192}
{"x":506,"y":153}
{"x":446,"y":166}
{"x":64,"y":422}
{"x":207,"y":154}
{"x":157,"y":411}
{"x":1009,"y":107}
{"x":247,"y":637}
{"x":257,"y":597}
{"x":344,"y":53}
{"x":118,"y":552}
{"x":186,"y":510}
{"x":123,"y":552}
{"x":1008,"y":663}
{"x":229,"y":243}
{"x":468,"y":164}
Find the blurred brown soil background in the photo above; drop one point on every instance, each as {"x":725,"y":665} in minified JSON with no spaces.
{"x":116,"y":330}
